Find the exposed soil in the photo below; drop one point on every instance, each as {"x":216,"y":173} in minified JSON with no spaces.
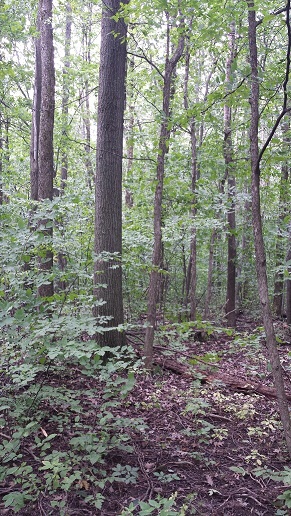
{"x":197,"y":430}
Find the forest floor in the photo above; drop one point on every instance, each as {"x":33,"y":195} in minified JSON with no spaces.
{"x":210,"y":432}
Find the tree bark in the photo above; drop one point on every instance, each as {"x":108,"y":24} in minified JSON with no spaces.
{"x":283,"y":199}
{"x":108,"y":193}
{"x":257,"y":228}
{"x":153,"y":292}
{"x":210,"y":275}
{"x":228,"y":158}
{"x":46,"y":131}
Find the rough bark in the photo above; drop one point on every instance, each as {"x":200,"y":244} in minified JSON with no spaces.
{"x":228,"y":158}
{"x":46,"y":128}
{"x":257,"y":228}
{"x":153,"y":290}
{"x":108,"y":207}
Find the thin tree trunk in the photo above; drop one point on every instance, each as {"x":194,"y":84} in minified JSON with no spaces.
{"x":258,"y":232}
{"x":108,"y":193}
{"x":129,"y":140}
{"x":191,"y":281}
{"x":228,"y":158}
{"x":210,"y":274}
{"x":34,"y":146}
{"x":46,"y":128}
{"x":195,"y":134}
{"x":243,"y":275}
{"x":1,"y":162}
{"x":65,"y":96}
{"x":62,"y":259}
{"x":153,"y":290}
{"x":279,"y":252}
{"x":288,"y":281}
{"x":86,"y":113}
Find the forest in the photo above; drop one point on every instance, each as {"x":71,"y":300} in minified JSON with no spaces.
{"x":145,"y":259}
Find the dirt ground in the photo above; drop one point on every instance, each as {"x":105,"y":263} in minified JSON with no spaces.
{"x":209,"y":428}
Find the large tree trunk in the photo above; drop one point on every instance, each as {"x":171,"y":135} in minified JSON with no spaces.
{"x":258,"y":232}
{"x":228,"y":158}
{"x":108,"y":208}
{"x":153,"y":291}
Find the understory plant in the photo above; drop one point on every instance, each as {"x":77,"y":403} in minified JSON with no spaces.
{"x":59,"y":394}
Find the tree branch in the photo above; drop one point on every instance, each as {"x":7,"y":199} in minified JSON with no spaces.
{"x":143,"y":56}
{"x":226,"y":94}
{"x":285,"y":110}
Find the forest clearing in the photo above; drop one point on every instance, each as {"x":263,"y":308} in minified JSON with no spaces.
{"x":145,"y":260}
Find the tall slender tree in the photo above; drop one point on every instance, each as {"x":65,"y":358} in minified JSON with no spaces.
{"x":256,"y":157}
{"x":283,"y":207}
{"x":153,"y":291}
{"x":65,"y":95}
{"x":41,"y":149}
{"x":34,"y":145}
{"x":228,"y":157}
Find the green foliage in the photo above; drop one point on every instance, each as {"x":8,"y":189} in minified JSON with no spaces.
{"x":161,"y":506}
{"x":283,"y":476}
{"x":49,"y":349}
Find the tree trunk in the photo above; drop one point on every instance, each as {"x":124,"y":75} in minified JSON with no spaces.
{"x":129,"y":140}
{"x":193,"y":244}
{"x":210,"y":274}
{"x":108,"y":207}
{"x":228,"y":158}
{"x":192,"y":277}
{"x":62,"y":259}
{"x":244,"y":279}
{"x":288,"y":282}
{"x":170,"y":67}
{"x":1,"y":162}
{"x":283,"y":199}
{"x":34,"y":146}
{"x":65,"y":97}
{"x":46,"y":129}
{"x":87,"y":36}
{"x":258,"y":233}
